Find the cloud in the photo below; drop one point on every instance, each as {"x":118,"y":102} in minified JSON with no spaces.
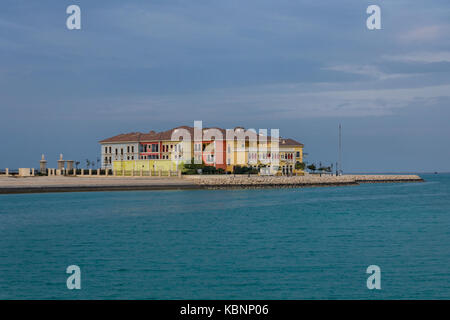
{"x":351,"y":103}
{"x":366,"y":70}
{"x":279,"y":102}
{"x":429,"y":33}
{"x":422,"y":57}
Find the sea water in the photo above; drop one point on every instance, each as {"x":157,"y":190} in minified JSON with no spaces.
{"x":306,"y":243}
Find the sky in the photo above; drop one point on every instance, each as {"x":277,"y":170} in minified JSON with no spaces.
{"x":302,"y":66}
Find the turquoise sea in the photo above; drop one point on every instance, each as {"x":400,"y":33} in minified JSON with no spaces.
{"x":311,"y":243}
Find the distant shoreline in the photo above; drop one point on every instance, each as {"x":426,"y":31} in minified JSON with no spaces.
{"x":12,"y":185}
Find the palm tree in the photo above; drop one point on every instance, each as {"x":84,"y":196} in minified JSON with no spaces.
{"x":312,"y":167}
{"x":300,"y":165}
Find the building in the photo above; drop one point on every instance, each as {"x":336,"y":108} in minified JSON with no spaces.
{"x":223,"y":149}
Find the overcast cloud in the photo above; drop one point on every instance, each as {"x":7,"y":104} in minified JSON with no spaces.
{"x":301,"y":66}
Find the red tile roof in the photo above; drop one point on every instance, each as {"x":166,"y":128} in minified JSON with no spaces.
{"x":167,"y":135}
{"x":290,"y":142}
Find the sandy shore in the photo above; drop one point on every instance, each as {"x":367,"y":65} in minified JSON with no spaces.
{"x":77,"y":184}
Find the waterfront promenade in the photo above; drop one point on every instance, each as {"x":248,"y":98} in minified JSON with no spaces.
{"x":10,"y":185}
{"x":93,"y":183}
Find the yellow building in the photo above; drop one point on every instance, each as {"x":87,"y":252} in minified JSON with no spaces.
{"x":154,"y":152}
{"x":148,"y":167}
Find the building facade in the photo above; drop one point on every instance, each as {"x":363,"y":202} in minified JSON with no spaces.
{"x":223,"y":149}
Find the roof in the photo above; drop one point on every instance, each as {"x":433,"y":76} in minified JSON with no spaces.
{"x":167,"y":135}
{"x":124,"y":137}
{"x":290,"y":142}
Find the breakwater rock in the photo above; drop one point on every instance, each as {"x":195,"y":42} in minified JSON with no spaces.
{"x":310,"y":180}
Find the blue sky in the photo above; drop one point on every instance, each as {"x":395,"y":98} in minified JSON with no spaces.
{"x":300,"y":66}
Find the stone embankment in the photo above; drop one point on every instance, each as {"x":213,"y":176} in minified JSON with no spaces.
{"x":81,"y":184}
{"x":230,"y":181}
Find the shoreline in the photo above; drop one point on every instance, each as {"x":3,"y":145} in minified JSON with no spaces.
{"x":13,"y":185}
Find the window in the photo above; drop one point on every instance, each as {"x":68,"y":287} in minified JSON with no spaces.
{"x":132,"y":149}
{"x":128,"y":149}
{"x":109,"y":149}
{"x":298,"y":154}
{"x":121,"y":151}
{"x":106,"y":149}
{"x":116,"y":152}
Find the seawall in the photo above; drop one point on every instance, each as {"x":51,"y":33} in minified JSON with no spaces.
{"x":224,"y":182}
{"x":11,"y":185}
